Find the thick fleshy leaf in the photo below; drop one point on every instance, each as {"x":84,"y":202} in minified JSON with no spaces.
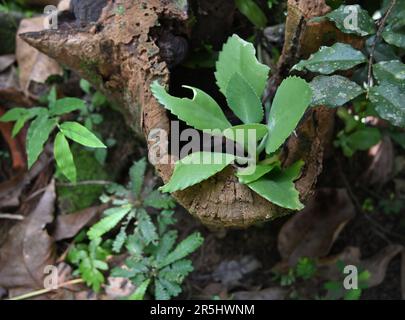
{"x":243,"y":100}
{"x":64,"y":157}
{"x":353,"y":19}
{"x":292,"y":99}
{"x":252,"y":11}
{"x":390,"y":71}
{"x":246,"y":135}
{"x":38,"y":133}
{"x":80,"y":134}
{"x":114,"y":216}
{"x":195,"y":168}
{"x":238,"y":55}
{"x":388,"y":100}
{"x":201,"y":112}
{"x":333,"y":91}
{"x":260,"y":171}
{"x":279,"y":188}
{"x":330,"y":59}
{"x":67,"y":105}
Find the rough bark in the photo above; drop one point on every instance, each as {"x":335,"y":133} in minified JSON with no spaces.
{"x":120,"y":55}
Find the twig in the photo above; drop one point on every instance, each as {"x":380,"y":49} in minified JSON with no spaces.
{"x":84,"y":183}
{"x":44,"y":291}
{"x":11,"y":216}
{"x":377,"y":37}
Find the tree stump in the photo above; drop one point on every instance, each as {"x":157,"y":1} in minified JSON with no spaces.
{"x":121,"y":55}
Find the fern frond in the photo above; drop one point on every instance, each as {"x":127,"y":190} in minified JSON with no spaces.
{"x":183,"y":249}
{"x":114,"y":216}
{"x":137,"y":174}
{"x":157,"y":200}
{"x":146,"y":227}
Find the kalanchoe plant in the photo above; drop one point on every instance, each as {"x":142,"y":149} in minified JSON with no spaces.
{"x":154,"y":260}
{"x":242,"y":79}
{"x":44,"y":121}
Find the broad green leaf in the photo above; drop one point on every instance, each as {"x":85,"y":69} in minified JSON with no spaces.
{"x":85,"y":86}
{"x":394,"y":32}
{"x":243,"y":101}
{"x":14,"y":114}
{"x":260,"y":171}
{"x":137,"y":174}
{"x":246,"y":135}
{"x":333,"y":91}
{"x":279,"y":187}
{"x":252,"y":11}
{"x":52,"y":96}
{"x":140,"y":291}
{"x":388,"y":100}
{"x":290,"y":103}
{"x":237,"y":55}
{"x":80,"y":134}
{"x":64,"y":157}
{"x":382,"y":52}
{"x":38,"y":133}
{"x":115,"y":215}
{"x":66,"y":105}
{"x":183,"y":249}
{"x":390,"y":71}
{"x":196,"y":168}
{"x":21,"y":116}
{"x":201,"y":112}
{"x":362,"y":24}
{"x":330,"y":59}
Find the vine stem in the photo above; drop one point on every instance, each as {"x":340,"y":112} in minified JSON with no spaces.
{"x":373,"y":47}
{"x":44,"y":291}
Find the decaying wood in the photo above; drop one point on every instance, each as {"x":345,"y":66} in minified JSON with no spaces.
{"x":119,"y":54}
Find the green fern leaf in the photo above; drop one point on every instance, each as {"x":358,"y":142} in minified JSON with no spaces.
{"x":137,"y":174}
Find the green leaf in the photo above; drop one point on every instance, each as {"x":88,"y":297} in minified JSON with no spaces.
{"x":21,"y":116}
{"x":260,"y":171}
{"x":279,"y":187}
{"x":239,"y":56}
{"x":390,"y":71}
{"x":52,"y":96}
{"x":157,"y":200}
{"x":114,"y":216}
{"x":292,"y":99}
{"x":341,"y":17}
{"x":246,"y":135}
{"x":166,"y":243}
{"x":330,"y":59}
{"x":177,"y":271}
{"x":333,"y":91}
{"x":243,"y":100}
{"x":160,"y":291}
{"x":85,"y":86}
{"x":195,"y":168}
{"x":388,"y":100}
{"x":183,"y":249}
{"x":382,"y":52}
{"x":67,"y":105}
{"x":252,"y":11}
{"x":137,"y":174}
{"x":64,"y":157}
{"x":172,"y":288}
{"x":394,"y":32}
{"x":13,"y":114}
{"x":80,"y":134}
{"x":38,"y":133}
{"x":201,"y":112}
{"x":146,"y":227}
{"x":140,"y":291}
